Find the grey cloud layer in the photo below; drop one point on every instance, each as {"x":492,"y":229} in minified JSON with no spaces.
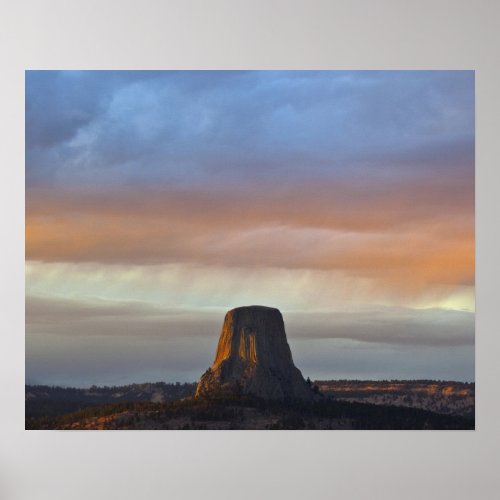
{"x":390,"y":326}
{"x":81,"y":343}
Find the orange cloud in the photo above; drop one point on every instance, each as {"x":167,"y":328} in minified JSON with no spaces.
{"x":406,"y":236}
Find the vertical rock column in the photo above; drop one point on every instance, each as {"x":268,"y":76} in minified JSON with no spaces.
{"x":253,"y":357}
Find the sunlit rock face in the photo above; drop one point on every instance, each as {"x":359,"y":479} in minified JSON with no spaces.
{"x":253,"y":357}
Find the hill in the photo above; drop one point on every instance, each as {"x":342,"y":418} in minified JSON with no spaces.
{"x":447,"y":397}
{"x":109,"y":408}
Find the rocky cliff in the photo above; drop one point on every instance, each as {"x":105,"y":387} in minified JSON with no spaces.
{"x":253,"y":357}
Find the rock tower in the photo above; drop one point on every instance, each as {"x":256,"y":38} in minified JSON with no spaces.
{"x":253,"y":357}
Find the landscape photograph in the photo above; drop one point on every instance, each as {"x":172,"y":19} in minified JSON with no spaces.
{"x":249,"y":250}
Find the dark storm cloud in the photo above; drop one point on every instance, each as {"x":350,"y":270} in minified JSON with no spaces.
{"x":193,"y":127}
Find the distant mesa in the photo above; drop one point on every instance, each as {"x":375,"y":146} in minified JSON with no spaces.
{"x":253,"y":357}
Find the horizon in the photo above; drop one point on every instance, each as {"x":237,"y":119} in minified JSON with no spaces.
{"x":194,"y":382}
{"x":158,"y":200}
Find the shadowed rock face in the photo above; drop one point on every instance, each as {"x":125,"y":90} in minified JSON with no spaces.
{"x":253,"y":357}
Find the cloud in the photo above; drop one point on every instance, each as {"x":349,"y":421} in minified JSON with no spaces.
{"x":391,"y":326}
{"x":212,"y":127}
{"x":383,"y":325}
{"x":408,"y":236}
{"x":89,"y":341}
{"x":368,"y":173}
{"x":157,"y":200}
{"x":88,"y":318}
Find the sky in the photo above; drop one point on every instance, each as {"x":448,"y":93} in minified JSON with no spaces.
{"x":157,"y":201}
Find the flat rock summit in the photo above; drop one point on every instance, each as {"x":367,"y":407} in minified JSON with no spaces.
{"x":253,"y":357}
